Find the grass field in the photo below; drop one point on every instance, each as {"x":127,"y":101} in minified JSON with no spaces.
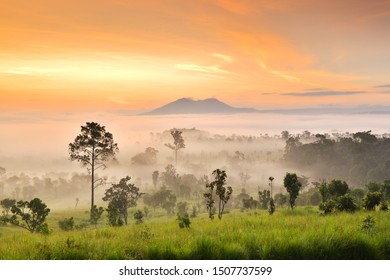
{"x":297,"y":234}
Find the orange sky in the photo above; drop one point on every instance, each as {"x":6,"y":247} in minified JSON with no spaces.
{"x":137,"y":54}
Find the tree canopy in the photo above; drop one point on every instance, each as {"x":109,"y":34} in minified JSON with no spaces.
{"x":293,"y":186}
{"x":121,"y":196}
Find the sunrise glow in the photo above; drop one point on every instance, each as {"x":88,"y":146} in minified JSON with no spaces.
{"x":136,"y":54}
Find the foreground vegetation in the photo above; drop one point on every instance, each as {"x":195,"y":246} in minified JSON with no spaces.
{"x":298,"y":234}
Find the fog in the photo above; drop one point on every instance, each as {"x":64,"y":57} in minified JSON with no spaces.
{"x":34,"y":145}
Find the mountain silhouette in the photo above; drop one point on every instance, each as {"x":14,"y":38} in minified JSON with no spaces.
{"x":190,"y":106}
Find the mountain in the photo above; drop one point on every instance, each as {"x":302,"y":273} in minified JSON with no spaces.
{"x":190,"y":106}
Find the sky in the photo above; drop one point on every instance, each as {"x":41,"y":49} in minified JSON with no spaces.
{"x":113,"y":55}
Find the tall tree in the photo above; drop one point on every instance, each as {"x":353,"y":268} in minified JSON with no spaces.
{"x":178,"y":143}
{"x":92,"y":148}
{"x":271,"y":179}
{"x":293,"y":186}
{"x":271,"y":208}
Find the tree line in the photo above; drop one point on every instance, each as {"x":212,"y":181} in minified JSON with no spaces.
{"x":358,"y":158}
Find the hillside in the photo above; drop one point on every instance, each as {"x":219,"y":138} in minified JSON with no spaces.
{"x":190,"y":106}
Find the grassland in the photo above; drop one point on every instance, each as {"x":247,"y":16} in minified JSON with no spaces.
{"x":298,"y":234}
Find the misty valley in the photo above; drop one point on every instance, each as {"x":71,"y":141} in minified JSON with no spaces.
{"x":186,"y":193}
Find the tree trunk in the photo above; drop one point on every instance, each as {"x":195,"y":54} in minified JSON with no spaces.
{"x":92,"y":180}
{"x":176,"y":157}
{"x":125,"y":215}
{"x":220,"y":209}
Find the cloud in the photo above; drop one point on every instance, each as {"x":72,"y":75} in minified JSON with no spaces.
{"x":323,"y":93}
{"x":213,"y":69}
{"x":34,"y":70}
{"x":278,"y":73}
{"x":383,"y":86}
{"x":15,"y":72}
{"x":316,"y":89}
{"x":119,"y":101}
{"x":226,"y":58}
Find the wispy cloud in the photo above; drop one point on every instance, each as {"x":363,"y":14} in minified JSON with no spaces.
{"x":323,"y":93}
{"x":16,"y":72}
{"x":213,"y":69}
{"x":224,"y":57}
{"x":278,"y":73}
{"x":383,"y":86}
{"x":118,"y":101}
{"x":316,"y":89}
{"x":34,"y":70}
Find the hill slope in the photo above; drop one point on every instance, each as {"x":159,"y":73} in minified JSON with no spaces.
{"x":190,"y":106}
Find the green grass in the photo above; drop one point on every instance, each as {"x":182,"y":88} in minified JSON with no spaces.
{"x":298,"y":234}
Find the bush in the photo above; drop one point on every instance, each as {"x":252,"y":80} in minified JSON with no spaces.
{"x":271,"y":208}
{"x":96,"y":214}
{"x":146,"y":211}
{"x":66,"y":224}
{"x":194,"y":213}
{"x":82,"y":225}
{"x":372,"y":200}
{"x":3,"y":220}
{"x":384,"y":206}
{"x":327,"y":206}
{"x":368,"y":224}
{"x":139,"y":217}
{"x":114,"y":217}
{"x":346,"y":203}
{"x":184,"y":220}
{"x":32,"y":214}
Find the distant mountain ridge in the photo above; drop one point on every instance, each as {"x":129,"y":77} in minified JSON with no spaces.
{"x":205,"y":106}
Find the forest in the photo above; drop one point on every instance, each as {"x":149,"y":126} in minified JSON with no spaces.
{"x":204,"y":196}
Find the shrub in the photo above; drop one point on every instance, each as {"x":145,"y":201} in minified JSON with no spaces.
{"x":114,"y":217}
{"x":368,"y":224}
{"x":271,"y":208}
{"x":32,"y":215}
{"x":346,"y":203}
{"x":66,"y":224}
{"x":96,"y":214}
{"x":372,"y":200}
{"x":327,"y":206}
{"x":384,"y":206}
{"x":184,"y":220}
{"x":139,"y":217}
{"x":146,"y":211}
{"x":194,"y":212}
